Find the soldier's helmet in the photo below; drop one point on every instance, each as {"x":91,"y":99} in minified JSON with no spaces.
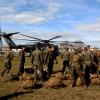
{"x":88,"y":46}
{"x":50,"y":45}
{"x":66,"y":48}
{"x":52,"y":49}
{"x":75,"y":50}
{"x":85,"y":49}
{"x":79,"y":50}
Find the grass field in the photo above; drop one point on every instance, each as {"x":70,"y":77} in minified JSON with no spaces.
{"x":12,"y":90}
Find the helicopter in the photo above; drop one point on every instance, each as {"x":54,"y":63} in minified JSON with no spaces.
{"x":42,"y":44}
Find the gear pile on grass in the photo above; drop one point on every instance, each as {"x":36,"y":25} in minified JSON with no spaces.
{"x":95,"y":79}
{"x":55,"y":82}
{"x":27,"y":82}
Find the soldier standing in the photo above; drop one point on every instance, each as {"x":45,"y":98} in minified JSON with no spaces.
{"x":76,"y":63}
{"x":50,"y":57}
{"x":7,"y":61}
{"x":66,"y":58}
{"x":46,"y":50}
{"x":94,"y":68}
{"x":36,"y":60}
{"x":21,"y":61}
{"x":88,"y":61}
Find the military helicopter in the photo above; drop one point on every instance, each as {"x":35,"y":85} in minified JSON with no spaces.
{"x":29,"y":47}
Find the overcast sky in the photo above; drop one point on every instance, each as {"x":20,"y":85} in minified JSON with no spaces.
{"x":73,"y":19}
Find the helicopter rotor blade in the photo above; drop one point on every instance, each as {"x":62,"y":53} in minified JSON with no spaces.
{"x":31,"y":37}
{"x":10,"y":34}
{"x":32,"y":43}
{"x":41,"y":40}
{"x":54,"y":38}
{"x":23,"y":39}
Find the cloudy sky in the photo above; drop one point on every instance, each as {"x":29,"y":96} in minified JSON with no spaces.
{"x":73,"y":19}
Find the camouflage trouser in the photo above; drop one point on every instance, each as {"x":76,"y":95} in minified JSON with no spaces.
{"x":21,"y":68}
{"x":38,"y":70}
{"x":92,"y":66}
{"x":98,"y":65}
{"x":99,"y":68}
{"x":87,"y":70}
{"x":7,"y":67}
{"x":77,"y":72}
{"x":66,"y":68}
{"x":50,"y":68}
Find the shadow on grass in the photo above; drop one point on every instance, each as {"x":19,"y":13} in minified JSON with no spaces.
{"x":15,"y":94}
{"x":9,"y":96}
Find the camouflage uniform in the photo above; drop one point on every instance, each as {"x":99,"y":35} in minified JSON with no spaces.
{"x":88,"y":60}
{"x":21,"y":61}
{"x":7,"y":61}
{"x":66,"y":58}
{"x":99,"y":65}
{"x":50,"y":56}
{"x":43,"y":57}
{"x":46,"y":50}
{"x":77,"y":71}
{"x":36,"y":59}
{"x":95,"y":58}
{"x":95,"y":63}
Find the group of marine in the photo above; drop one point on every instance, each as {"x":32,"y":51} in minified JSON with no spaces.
{"x":81,"y":62}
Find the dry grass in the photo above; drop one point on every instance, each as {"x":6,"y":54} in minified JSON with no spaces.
{"x":12,"y":90}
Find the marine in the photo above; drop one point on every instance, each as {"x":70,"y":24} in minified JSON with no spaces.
{"x":36,"y":60}
{"x":66,"y":59}
{"x":8,"y":57}
{"x":21,"y":61}
{"x":88,"y":61}
{"x":76,"y":64}
{"x":50,"y":57}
